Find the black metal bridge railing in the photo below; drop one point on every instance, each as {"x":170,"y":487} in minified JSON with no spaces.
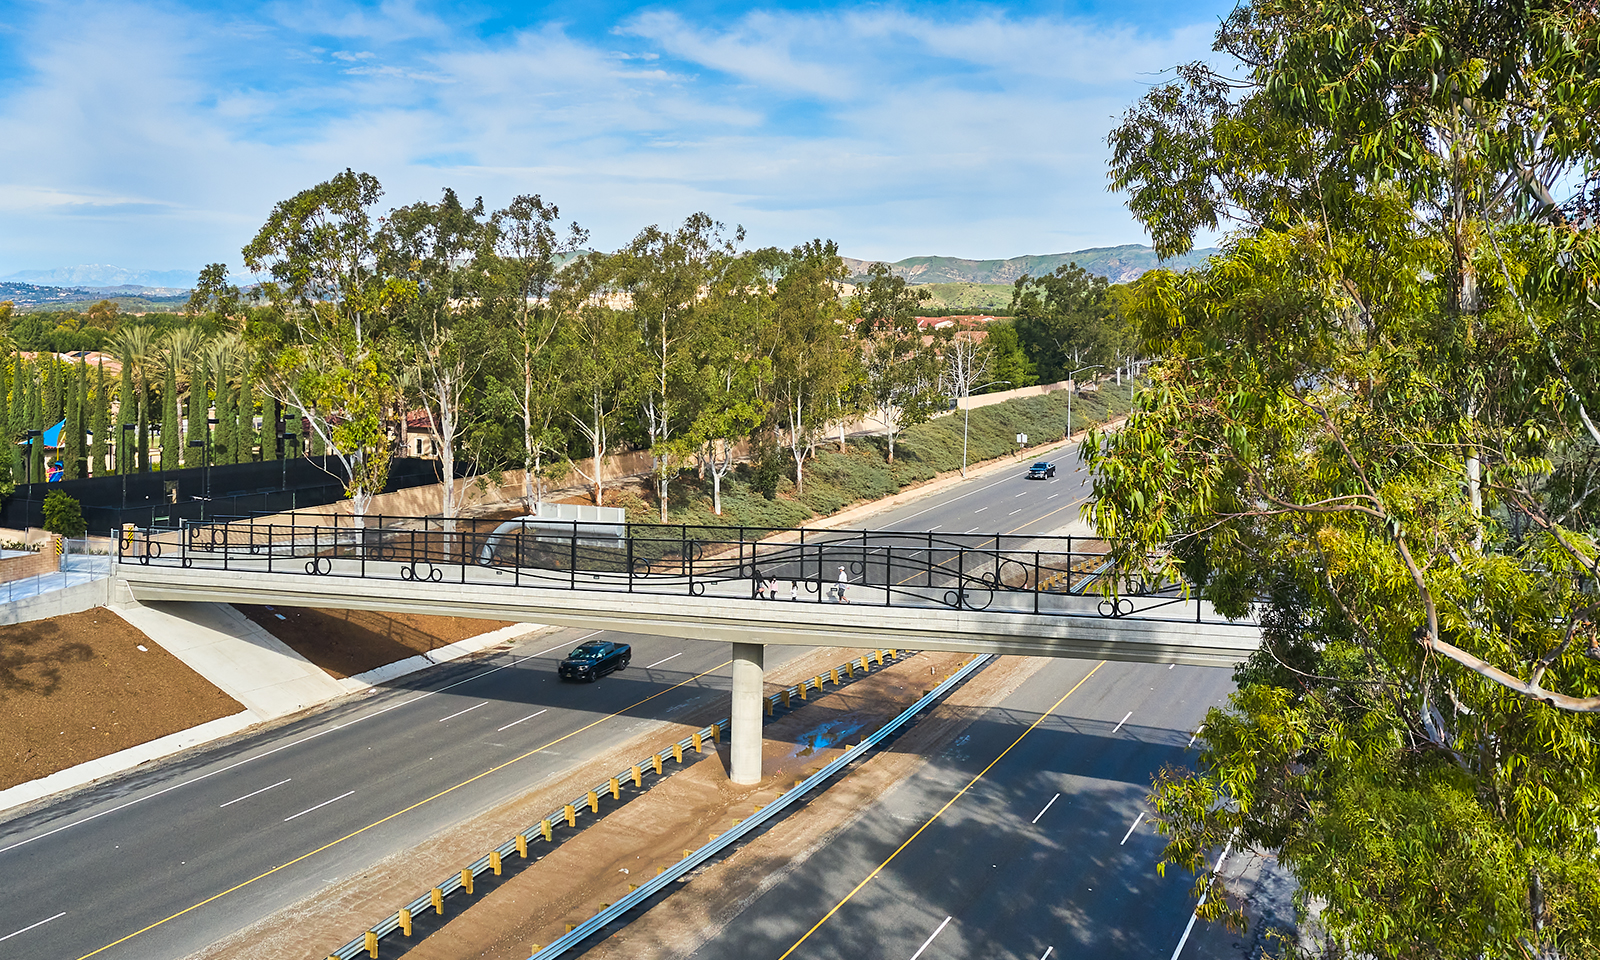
{"x":1067,"y":576}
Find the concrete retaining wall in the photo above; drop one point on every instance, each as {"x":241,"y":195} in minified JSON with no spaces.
{"x":46,"y":560}
{"x":84,"y":596}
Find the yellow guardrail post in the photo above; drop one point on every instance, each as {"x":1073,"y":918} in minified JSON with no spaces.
{"x":616,"y":789}
{"x":655,"y":760}
{"x":786,"y":699}
{"x":835,"y":675}
{"x":677,"y":752}
{"x":716,"y":733}
{"x":522,"y":846}
{"x":494,"y":861}
{"x":849,"y":669}
{"x":466,"y":879}
{"x":594,"y":802}
{"x":372,"y":943}
{"x":405,"y":921}
{"x":544,"y":828}
{"x":438,"y":901}
{"x":770,"y":705}
{"x":864,"y":667}
{"x":571,"y":814}
{"x":699,"y":744}
{"x":879,"y":655}
{"x":803,"y":689}
{"x":638,"y":776}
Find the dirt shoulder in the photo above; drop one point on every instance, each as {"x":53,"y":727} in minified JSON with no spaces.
{"x":652,"y":829}
{"x":349,"y":642}
{"x":78,"y":687}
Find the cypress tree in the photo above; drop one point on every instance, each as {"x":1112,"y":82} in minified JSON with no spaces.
{"x":195,"y":429}
{"x":81,"y":431}
{"x":102,"y":423}
{"x":142,"y":394}
{"x":71,"y":441}
{"x":18,"y":422}
{"x":222,"y":449}
{"x":271,"y":412}
{"x":36,"y":412}
{"x":246,"y":437}
{"x":171,"y":440}
{"x":5,"y":418}
{"x":294,"y":440}
{"x":52,"y":390}
{"x":125,"y":407}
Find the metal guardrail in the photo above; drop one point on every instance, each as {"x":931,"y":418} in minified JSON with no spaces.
{"x":750,"y":824}
{"x":545,"y":828}
{"x":999,"y":573}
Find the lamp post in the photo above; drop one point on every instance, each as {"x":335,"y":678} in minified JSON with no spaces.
{"x":211,"y":423}
{"x":123,"y":455}
{"x":1074,"y":380}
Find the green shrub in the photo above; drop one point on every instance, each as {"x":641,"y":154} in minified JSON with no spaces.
{"x":64,"y":515}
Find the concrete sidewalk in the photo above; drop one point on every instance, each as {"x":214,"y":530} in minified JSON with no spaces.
{"x":239,"y":658}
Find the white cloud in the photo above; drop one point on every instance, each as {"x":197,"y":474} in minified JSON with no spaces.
{"x":896,"y":133}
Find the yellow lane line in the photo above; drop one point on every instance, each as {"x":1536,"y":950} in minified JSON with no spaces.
{"x":397,"y":813}
{"x":879,"y":868}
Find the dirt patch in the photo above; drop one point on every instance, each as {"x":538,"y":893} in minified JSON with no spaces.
{"x":325,"y":921}
{"x":348,"y":642}
{"x":78,"y":687}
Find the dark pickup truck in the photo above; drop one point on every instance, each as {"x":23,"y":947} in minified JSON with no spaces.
{"x":1043,"y":470}
{"x":594,"y":660}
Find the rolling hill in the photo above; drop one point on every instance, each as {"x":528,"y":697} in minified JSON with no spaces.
{"x":1117,"y":264}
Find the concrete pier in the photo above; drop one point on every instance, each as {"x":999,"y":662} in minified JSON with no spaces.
{"x":744,"y":740}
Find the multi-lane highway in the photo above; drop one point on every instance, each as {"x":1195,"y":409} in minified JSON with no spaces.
{"x":164,"y":861}
{"x":1024,"y":839}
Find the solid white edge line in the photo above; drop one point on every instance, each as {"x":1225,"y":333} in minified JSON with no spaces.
{"x":318,"y":806}
{"x":935,"y":933}
{"x":1047,"y":952}
{"x":1121,"y":722}
{"x":1196,"y":915}
{"x":660,"y":662}
{"x":253,"y":793}
{"x":1046,"y":807}
{"x":470,"y":709}
{"x":1195,"y":735}
{"x":515,"y":722}
{"x":1132,"y":827}
{"x":32,"y":925}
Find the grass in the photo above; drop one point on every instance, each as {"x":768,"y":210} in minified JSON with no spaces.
{"x":836,"y":479}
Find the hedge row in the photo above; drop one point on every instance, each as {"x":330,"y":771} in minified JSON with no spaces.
{"x":836,"y":479}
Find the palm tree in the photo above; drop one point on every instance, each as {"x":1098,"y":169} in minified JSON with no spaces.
{"x":135,"y":345}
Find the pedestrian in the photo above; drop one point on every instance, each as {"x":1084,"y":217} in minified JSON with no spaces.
{"x":794,"y":590}
{"x":772,"y":588}
{"x":844,"y":580}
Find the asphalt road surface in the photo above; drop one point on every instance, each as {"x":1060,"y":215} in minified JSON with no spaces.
{"x":1024,"y":839}
{"x":164,"y":861}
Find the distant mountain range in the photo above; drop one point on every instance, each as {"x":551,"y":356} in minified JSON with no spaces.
{"x":1117,"y":264}
{"x":106,"y":275}
{"x":126,"y":296}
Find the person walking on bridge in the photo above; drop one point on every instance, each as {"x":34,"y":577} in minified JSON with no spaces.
{"x":844,"y":581}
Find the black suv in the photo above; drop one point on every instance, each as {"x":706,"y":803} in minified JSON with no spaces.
{"x":1043,"y":470}
{"x":593,"y":660}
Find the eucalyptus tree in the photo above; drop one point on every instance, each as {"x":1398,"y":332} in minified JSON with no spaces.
{"x":900,"y":370}
{"x":1355,"y":425}
{"x":809,"y":346}
{"x":320,"y":250}
{"x":527,"y":251}
{"x":1066,"y":319}
{"x":666,"y":278}
{"x":441,"y":250}
{"x":599,"y":350}
{"x":733,"y":374}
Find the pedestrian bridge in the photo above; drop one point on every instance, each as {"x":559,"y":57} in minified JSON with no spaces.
{"x":1027,"y":596}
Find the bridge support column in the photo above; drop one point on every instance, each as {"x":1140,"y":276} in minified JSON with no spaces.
{"x":744,"y":740}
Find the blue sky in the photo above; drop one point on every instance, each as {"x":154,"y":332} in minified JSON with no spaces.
{"x":159,"y":135}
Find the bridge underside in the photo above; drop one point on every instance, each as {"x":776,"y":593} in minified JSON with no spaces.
{"x":747,"y":624}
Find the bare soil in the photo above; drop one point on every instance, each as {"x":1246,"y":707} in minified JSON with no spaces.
{"x":349,"y":642}
{"x":644,"y":835}
{"x":78,"y":687}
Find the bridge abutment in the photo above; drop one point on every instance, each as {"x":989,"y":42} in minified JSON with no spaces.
{"x":746,"y":715}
